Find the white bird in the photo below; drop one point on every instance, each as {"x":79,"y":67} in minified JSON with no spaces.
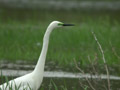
{"x":33,"y":80}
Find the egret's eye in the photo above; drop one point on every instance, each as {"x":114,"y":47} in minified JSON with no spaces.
{"x":60,"y":24}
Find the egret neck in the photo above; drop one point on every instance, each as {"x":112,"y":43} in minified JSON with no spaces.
{"x":39,"y":69}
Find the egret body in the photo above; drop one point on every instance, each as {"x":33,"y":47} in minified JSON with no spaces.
{"x":33,"y":80}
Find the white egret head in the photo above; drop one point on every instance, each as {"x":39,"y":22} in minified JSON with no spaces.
{"x":59,"y":24}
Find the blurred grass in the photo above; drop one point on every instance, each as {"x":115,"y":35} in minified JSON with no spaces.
{"x":21,"y":33}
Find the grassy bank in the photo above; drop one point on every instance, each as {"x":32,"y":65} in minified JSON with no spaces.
{"x":21,"y":35}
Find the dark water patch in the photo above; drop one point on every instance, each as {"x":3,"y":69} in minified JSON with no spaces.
{"x":56,"y":74}
{"x":24,"y":65}
{"x":71,"y":81}
{"x":52,"y":66}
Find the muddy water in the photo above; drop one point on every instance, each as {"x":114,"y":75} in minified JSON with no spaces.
{"x":70,"y":75}
{"x":56,"y":74}
{"x":71,"y":81}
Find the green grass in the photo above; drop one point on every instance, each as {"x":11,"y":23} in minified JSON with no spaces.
{"x":21,"y":38}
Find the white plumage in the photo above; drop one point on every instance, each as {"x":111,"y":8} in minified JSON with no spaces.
{"x":33,"y":80}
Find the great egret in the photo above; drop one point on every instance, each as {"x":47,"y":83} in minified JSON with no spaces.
{"x":34,"y":79}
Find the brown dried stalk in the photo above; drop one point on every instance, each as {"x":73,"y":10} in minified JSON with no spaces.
{"x":84,"y":74}
{"x":103,"y":58}
{"x":114,"y":52}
